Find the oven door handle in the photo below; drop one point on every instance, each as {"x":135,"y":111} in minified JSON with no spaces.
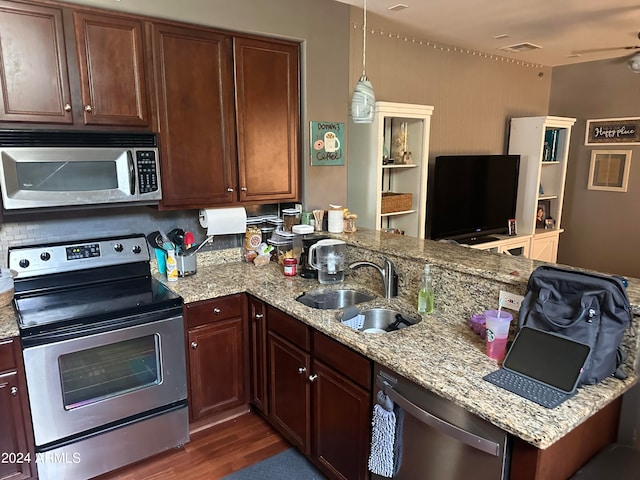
{"x":444,"y":427}
{"x":132,"y":173}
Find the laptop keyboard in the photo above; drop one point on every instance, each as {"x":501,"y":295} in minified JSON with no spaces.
{"x":529,"y":389}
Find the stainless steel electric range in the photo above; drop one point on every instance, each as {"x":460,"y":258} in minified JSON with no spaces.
{"x":103,"y":346}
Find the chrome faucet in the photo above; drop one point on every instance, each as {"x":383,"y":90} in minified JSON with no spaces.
{"x":388,"y":274}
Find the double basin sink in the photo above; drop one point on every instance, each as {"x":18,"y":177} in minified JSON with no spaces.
{"x":371,"y":320}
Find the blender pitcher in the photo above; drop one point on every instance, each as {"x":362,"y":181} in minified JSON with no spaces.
{"x":327,"y":256}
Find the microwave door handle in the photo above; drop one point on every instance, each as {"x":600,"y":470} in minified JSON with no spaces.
{"x":132,"y":173}
{"x":444,"y":427}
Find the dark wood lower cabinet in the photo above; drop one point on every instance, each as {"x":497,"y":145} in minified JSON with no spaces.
{"x":341,"y":418}
{"x":218,"y":356}
{"x":319,"y":396}
{"x":290,"y":391}
{"x":259,"y":361}
{"x":16,"y":443}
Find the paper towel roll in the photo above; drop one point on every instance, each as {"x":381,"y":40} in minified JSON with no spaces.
{"x":223,"y":221}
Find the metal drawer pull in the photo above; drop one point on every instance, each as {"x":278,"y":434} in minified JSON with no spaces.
{"x":259,"y":315}
{"x":67,"y":107}
{"x":216,"y":311}
{"x":313,"y":378}
{"x":244,"y":189}
{"x":87,"y":108}
{"x":194,"y":345}
{"x":446,"y":428}
{"x":229,"y":189}
{"x":301,"y":370}
{"x":13,"y":391}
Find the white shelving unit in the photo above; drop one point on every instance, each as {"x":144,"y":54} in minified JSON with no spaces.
{"x":369,"y":177}
{"x":543,"y":170}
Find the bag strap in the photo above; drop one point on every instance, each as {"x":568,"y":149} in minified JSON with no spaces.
{"x":586,"y":312}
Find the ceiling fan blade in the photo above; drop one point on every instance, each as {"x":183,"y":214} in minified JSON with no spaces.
{"x":608,"y":49}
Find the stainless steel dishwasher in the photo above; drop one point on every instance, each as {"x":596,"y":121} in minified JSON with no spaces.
{"x":441,"y":441}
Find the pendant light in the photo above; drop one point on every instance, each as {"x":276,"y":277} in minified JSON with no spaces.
{"x":363,"y":99}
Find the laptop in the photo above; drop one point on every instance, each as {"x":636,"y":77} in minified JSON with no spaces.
{"x":543,"y":367}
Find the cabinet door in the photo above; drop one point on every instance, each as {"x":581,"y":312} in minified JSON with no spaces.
{"x":194,"y":75}
{"x":289,"y":386}
{"x":544,"y":248}
{"x":341,"y":424}
{"x":259,"y":365}
{"x":13,"y":433}
{"x":112,"y":72}
{"x":33,"y":65}
{"x":216,"y":368}
{"x":267,"y":106}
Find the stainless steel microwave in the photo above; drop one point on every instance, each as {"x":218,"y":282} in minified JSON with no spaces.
{"x":43,"y":168}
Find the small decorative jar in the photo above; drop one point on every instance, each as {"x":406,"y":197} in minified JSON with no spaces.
{"x":290,"y":267}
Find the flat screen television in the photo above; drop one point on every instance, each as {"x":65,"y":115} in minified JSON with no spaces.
{"x":473,"y":196}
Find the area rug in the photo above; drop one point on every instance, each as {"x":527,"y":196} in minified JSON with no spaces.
{"x":287,"y":465}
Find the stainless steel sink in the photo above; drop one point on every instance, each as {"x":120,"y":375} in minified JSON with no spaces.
{"x":383,"y":320}
{"x":327,"y":299}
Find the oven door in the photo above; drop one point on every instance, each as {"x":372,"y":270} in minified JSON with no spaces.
{"x":87,"y":382}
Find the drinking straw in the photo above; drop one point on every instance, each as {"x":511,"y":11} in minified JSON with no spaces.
{"x":500,"y":302}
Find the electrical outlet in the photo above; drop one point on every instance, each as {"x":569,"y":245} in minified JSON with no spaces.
{"x":510,"y":300}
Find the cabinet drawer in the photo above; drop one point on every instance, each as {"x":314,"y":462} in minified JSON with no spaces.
{"x":344,"y":360}
{"x":7,"y":360}
{"x":288,"y":327}
{"x":207,"y":311}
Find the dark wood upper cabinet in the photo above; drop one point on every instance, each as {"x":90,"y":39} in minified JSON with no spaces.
{"x":194,"y":82}
{"x":267,"y":106}
{"x":34,"y":77}
{"x":65,"y":66}
{"x":112,"y":71}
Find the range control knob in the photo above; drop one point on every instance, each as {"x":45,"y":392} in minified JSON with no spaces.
{"x":136,"y":249}
{"x":45,"y":256}
{"x":118,"y":247}
{"x":24,"y":263}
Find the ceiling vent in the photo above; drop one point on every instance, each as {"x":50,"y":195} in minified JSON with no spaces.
{"x":397,"y":7}
{"x":520,"y":47}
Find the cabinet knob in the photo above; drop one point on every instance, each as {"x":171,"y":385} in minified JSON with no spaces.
{"x":194,"y":345}
{"x":259,"y":315}
{"x":229,"y":189}
{"x":67,"y":107}
{"x":301,"y":370}
{"x":13,"y":391}
{"x":244,"y":189}
{"x":312,"y":378}
{"x":87,"y":108}
{"x":216,"y":310}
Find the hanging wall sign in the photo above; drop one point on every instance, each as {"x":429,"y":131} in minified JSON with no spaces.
{"x":613,"y":131}
{"x":327,"y":143}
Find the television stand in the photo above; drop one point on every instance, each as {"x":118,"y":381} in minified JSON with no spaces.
{"x":479,"y":240}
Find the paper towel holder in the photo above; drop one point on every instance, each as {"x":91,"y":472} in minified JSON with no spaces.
{"x":223,"y":221}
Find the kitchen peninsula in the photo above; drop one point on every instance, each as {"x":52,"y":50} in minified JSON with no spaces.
{"x":440,"y":353}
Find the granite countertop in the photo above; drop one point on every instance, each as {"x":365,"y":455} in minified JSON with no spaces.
{"x":440,"y":353}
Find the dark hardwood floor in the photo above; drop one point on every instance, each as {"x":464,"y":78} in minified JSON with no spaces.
{"x":211,"y":454}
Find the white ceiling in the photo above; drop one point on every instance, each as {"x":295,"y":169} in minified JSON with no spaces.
{"x":593,"y":29}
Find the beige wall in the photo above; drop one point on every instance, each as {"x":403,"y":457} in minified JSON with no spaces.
{"x":323,"y":28}
{"x":473,"y":97}
{"x":602,"y":229}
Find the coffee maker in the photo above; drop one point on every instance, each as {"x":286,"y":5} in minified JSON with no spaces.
{"x":306,"y":270}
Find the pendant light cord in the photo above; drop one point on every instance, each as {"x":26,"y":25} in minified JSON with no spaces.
{"x":364,"y":39}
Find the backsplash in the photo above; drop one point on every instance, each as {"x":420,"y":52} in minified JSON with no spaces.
{"x":85,"y":224}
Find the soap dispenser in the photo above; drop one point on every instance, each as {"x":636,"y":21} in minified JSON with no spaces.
{"x":425,"y":295}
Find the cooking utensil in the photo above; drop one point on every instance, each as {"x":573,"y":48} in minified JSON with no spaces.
{"x":155,"y":240}
{"x":189,"y":239}
{"x":177,"y":237}
{"x":194,"y":249}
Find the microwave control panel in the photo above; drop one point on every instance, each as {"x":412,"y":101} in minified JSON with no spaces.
{"x":146,"y":162}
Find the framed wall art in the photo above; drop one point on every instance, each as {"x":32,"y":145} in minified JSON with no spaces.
{"x":327,"y":143}
{"x":613,"y":131}
{"x":609,"y":170}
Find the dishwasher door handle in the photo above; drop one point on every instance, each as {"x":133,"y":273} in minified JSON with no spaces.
{"x":471,"y":439}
